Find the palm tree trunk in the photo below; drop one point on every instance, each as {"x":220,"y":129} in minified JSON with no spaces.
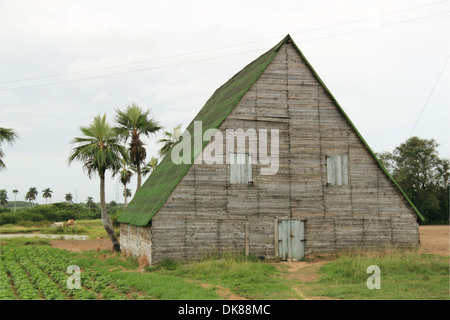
{"x":139,"y":178}
{"x":125,"y":195}
{"x":106,"y":219}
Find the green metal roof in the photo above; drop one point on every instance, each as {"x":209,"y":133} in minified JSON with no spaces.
{"x":158,"y":187}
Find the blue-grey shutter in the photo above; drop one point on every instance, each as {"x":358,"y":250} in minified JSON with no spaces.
{"x":240,"y":168}
{"x":337,"y":170}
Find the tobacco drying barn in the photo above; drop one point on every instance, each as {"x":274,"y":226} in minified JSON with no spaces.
{"x":329,"y":193}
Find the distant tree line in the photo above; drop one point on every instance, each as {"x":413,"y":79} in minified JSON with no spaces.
{"x":58,"y":212}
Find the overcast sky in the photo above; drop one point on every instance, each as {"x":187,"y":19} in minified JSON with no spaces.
{"x":63,"y":62}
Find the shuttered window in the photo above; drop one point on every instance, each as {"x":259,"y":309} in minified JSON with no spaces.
{"x":337,"y":170}
{"x":240,"y":168}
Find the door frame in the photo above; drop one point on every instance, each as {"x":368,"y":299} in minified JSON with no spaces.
{"x":276,"y":244}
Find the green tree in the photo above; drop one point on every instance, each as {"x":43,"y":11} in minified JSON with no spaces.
{"x":69,"y":198}
{"x":423,"y":175}
{"x":90,"y":203}
{"x":31,"y":195}
{"x":124,"y":176}
{"x":150,"y":166}
{"x":169,"y":140}
{"x":99,"y":150}
{"x":112,"y":204}
{"x":15,"y":191}
{"x":6,"y":135}
{"x":133,"y":123}
{"x":3,"y":198}
{"x":127,"y":193}
{"x":47,"y":193}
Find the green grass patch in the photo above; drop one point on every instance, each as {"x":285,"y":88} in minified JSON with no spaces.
{"x":242,"y":275}
{"x":404,"y":275}
{"x":16,"y":230}
{"x":165,"y":287}
{"x":106,"y":261}
{"x":32,"y":241}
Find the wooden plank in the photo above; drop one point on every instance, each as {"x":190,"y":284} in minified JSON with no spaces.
{"x":276,"y":238}
{"x":247,"y":238}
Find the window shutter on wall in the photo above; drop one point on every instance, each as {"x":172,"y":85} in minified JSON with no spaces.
{"x":240,"y":168}
{"x":337,"y":170}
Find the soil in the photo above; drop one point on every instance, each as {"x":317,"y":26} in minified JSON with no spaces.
{"x":82,"y":245}
{"x":435,"y":239}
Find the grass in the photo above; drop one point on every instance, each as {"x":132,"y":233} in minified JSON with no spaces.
{"x":242,"y":275}
{"x":17,"y":242}
{"x":165,"y":287}
{"x":404,"y":275}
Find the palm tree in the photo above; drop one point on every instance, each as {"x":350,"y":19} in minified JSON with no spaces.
{"x":3,"y":198}
{"x":15,"y":191}
{"x":125,"y":177}
{"x":133,"y":123}
{"x":68,"y":198}
{"x":31,"y":195}
{"x":170,"y":138}
{"x":9,"y":135}
{"x":47,"y":193}
{"x":127,"y":193}
{"x":150,"y":166}
{"x":99,"y":150}
{"x":90,"y":202}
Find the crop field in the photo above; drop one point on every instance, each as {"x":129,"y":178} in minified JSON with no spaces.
{"x":34,"y":273}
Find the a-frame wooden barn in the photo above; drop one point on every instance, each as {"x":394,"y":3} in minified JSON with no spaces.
{"x":328,"y":192}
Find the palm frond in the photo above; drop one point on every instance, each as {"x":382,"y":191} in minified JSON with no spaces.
{"x":8,"y":134}
{"x":99,"y":148}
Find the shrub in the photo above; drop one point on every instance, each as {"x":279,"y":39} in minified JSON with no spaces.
{"x":51,"y":212}
{"x":7,"y":218}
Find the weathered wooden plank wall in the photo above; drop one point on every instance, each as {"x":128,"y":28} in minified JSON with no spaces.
{"x":206,"y":212}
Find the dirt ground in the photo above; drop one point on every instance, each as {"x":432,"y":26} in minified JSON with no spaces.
{"x":435,"y":239}
{"x":82,"y":245}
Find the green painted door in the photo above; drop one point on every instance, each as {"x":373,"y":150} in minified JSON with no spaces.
{"x":291,"y":236}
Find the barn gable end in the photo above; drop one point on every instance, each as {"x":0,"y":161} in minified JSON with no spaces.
{"x":194,"y":208}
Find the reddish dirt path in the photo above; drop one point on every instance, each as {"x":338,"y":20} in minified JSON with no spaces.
{"x":82,"y":245}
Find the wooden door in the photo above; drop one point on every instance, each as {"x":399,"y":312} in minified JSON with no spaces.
{"x":291,"y":236}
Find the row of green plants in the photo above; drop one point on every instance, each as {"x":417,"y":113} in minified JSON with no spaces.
{"x":33,"y":273}
{"x":19,"y":279}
